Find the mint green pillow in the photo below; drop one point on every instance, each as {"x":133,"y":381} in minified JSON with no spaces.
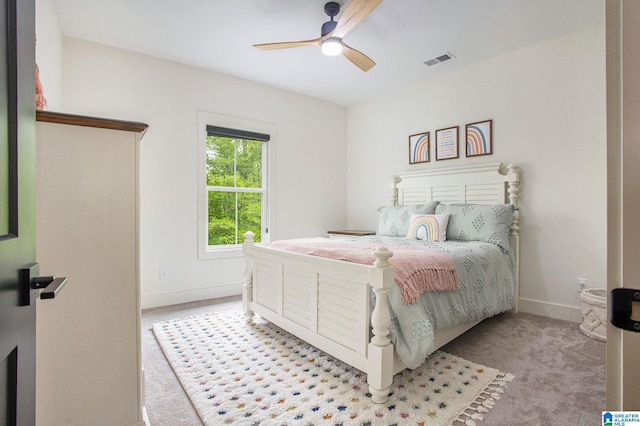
{"x":479,"y":222}
{"x":393,"y":221}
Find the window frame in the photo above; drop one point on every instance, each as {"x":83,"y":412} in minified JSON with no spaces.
{"x":206,"y":252}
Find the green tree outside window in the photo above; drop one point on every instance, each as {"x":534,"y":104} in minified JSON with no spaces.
{"x":235,"y":188}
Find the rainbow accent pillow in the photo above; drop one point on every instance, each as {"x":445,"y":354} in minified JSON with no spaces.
{"x":428,"y":227}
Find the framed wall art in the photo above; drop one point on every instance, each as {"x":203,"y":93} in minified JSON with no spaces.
{"x":419,"y":148}
{"x":478,"y":138}
{"x":447,"y":142}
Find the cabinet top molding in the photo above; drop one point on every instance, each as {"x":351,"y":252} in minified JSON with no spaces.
{"x":80,"y":120}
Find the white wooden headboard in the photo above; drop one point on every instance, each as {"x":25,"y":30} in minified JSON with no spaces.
{"x":482,"y":184}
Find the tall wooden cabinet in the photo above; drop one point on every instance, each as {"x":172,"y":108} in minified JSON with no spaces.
{"x":89,"y":367}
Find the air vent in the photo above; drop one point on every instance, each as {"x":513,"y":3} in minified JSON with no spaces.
{"x":439,"y":59}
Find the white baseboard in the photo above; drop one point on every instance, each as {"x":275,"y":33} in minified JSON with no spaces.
{"x":551,"y":310}
{"x":530,"y":306}
{"x":145,"y":417}
{"x":177,"y":297}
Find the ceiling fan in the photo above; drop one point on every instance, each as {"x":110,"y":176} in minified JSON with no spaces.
{"x":332,"y":32}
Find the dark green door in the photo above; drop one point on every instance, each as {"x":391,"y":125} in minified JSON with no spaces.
{"x":17,"y":210}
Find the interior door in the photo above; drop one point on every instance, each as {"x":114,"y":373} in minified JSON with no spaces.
{"x":17,"y":210}
{"x":623,"y":188}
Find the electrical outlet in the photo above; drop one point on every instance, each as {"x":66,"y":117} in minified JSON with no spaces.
{"x":164,"y":273}
{"x":582,"y":284}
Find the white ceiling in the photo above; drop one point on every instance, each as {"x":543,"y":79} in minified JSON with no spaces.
{"x":399,"y":36}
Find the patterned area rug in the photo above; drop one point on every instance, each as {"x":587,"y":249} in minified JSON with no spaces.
{"x":258,"y":374}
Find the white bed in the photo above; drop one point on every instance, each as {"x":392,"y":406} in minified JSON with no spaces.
{"x":327,"y":302}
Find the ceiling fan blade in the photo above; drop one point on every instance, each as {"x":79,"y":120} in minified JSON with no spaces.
{"x":358,"y":58}
{"x":289,"y":44}
{"x":355,"y":12}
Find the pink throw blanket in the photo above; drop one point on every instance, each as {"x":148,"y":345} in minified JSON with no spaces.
{"x":417,"y":269}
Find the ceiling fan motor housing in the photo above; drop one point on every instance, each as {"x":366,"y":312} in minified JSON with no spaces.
{"x":331,"y":8}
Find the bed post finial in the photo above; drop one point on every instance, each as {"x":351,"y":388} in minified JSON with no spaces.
{"x":247,"y":288}
{"x":395,"y":180}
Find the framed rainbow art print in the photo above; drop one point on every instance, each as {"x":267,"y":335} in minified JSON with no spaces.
{"x":478,"y":138}
{"x":419,"y":148}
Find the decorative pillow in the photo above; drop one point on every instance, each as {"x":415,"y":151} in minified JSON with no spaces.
{"x":431,"y":227}
{"x":479,"y":222}
{"x":394,"y":221}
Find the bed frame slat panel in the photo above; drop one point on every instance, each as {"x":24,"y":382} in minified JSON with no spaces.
{"x":298,"y":296}
{"x":338,"y":332}
{"x":485,"y":194}
{"x":297,"y":314}
{"x":340,"y":295}
{"x":448,"y":194}
{"x":416,"y":195}
{"x":342,"y":312}
{"x":270,"y":291}
{"x":331,"y":305}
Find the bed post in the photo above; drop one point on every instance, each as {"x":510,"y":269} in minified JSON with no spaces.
{"x":395,"y":180}
{"x":380,"y":350}
{"x":513,"y":177}
{"x":247,"y":288}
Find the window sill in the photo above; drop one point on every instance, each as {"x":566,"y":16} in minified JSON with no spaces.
{"x":221,"y":253}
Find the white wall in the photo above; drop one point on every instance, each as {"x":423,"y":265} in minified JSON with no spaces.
{"x":547,"y":103}
{"x":309,"y":149}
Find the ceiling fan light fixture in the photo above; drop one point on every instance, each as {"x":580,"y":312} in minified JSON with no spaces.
{"x":332,"y":33}
{"x":331,"y":46}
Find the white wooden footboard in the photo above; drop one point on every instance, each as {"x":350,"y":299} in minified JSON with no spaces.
{"x":326,"y":303}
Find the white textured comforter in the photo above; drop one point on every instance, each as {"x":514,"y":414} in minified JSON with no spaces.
{"x":487,"y":287}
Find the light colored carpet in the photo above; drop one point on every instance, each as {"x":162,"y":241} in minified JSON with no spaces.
{"x":249,"y":374}
{"x":559,"y":372}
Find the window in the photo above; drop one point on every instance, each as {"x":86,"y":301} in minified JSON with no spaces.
{"x":234,"y":196}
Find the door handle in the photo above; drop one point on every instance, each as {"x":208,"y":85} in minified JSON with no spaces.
{"x":624,"y":308}
{"x":50,"y":285}
{"x":30,"y":283}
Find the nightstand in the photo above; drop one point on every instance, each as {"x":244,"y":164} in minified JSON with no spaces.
{"x":350,"y":232}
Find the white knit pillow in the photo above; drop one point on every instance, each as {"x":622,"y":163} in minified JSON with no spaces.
{"x":430,"y":227}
